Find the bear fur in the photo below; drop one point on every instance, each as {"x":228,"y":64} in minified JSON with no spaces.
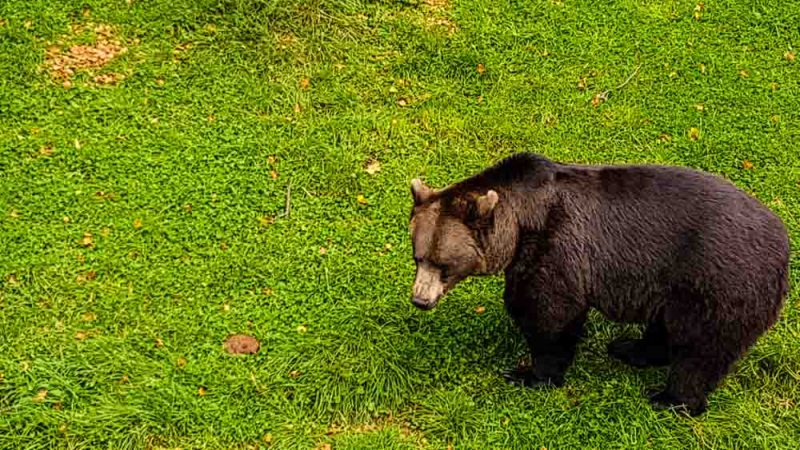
{"x":701,"y":264}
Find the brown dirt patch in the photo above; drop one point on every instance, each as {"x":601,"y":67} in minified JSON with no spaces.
{"x":241,"y":344}
{"x":64,"y":61}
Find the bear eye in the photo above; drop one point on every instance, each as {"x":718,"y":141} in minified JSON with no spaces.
{"x":443,"y":271}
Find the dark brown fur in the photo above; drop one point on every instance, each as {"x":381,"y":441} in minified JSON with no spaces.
{"x":701,"y":263}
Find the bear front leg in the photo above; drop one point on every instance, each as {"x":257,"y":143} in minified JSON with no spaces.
{"x":551,"y":355}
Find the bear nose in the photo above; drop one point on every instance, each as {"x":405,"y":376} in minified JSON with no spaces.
{"x":422,"y":303}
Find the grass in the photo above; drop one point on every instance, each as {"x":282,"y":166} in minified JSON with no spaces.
{"x":106,"y":344}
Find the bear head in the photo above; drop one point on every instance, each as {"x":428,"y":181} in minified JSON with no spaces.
{"x":450,"y":230}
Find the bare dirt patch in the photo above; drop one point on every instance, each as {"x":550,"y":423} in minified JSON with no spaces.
{"x":241,"y":344}
{"x":63,"y":61}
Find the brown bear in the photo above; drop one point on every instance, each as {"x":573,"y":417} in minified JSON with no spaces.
{"x":702,"y":264}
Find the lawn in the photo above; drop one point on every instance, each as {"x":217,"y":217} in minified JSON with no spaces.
{"x":174,"y":172}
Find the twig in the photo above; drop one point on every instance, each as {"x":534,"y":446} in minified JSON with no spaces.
{"x":603,"y":96}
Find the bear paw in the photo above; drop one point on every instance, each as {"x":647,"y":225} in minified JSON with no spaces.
{"x":526,"y":377}
{"x":664,"y":400}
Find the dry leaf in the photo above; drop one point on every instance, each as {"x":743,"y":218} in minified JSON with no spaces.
{"x":480,"y":309}
{"x":160,"y":81}
{"x":273,"y":174}
{"x":747,"y":165}
{"x":302,"y":329}
{"x":46,"y":150}
{"x":87,"y":240}
{"x":597,"y":99}
{"x":295,"y":374}
{"x":267,"y":438}
{"x":700,"y":107}
{"x":241,"y":344}
{"x":12,"y":280}
{"x":109,"y":79}
{"x":361,"y":199}
{"x":373,"y":167}
{"x":323,"y":251}
{"x":77,"y":144}
{"x":664,"y":137}
{"x":211,"y":118}
{"x":40,"y":396}
{"x":324,"y":446}
{"x":297,"y":108}
{"x":201,"y":391}
{"x":744,"y":73}
{"x":159,"y":343}
{"x":582,"y":84}
{"x":66,"y":219}
{"x":694,"y":134}
{"x":88,"y":317}
{"x":14,"y":214}
{"x":702,"y":68}
{"x":774,"y":86}
{"x":481,"y":69}
{"x":137,"y":224}
{"x":181,"y":362}
{"x":774,"y":118}
{"x":402,"y":102}
{"x":124,"y":380}
{"x":271,"y":160}
{"x":58,"y":406}
{"x":305,"y":83}
{"x":790,"y":56}
{"x":81,"y":335}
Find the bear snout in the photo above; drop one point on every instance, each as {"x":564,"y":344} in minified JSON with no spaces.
{"x":423,"y":304}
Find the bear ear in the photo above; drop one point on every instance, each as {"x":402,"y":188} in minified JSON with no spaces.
{"x":487,"y":202}
{"x":420,"y":192}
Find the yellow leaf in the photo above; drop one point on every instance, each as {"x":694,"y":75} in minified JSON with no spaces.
{"x":302,"y":329}
{"x":362,"y":200}
{"x":137,"y":223}
{"x":295,"y":374}
{"x":305,"y":83}
{"x":373,"y":167}
{"x":40,"y":396}
{"x":323,"y":251}
{"x":481,"y":69}
{"x":201,"y":391}
{"x":747,"y":165}
{"x":790,"y":56}
{"x":87,"y":240}
{"x":694,"y":134}
{"x":480,"y":310}
{"x":181,"y":362}
{"x":88,"y":317}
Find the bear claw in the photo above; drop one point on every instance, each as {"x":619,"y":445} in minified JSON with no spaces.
{"x":525,"y":377}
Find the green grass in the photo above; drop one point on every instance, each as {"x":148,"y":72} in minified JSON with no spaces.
{"x":122,"y":355}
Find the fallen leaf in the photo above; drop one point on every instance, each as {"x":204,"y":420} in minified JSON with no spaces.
{"x":124,"y":380}
{"x":58,"y":406}
{"x":597,"y":99}
{"x":744,"y":73}
{"x":664,"y":137}
{"x":81,"y":335}
{"x":402,"y":102}
{"x":324,"y":446}
{"x":373,"y":167}
{"x":273,"y":174}
{"x":582,"y":84}
{"x":159,"y":343}
{"x":700,"y":107}
{"x":242,"y":344}
{"x":747,"y":165}
{"x":305,"y":83}
{"x":62,"y":428}
{"x":702,"y":68}
{"x":694,"y":134}
{"x":266,"y":221}
{"x":14,"y":214}
{"x":12,"y":280}
{"x":323,"y":251}
{"x":297,"y":108}
{"x":295,"y":374}
{"x":87,"y":240}
{"x":109,"y":79}
{"x":105,"y":232}
{"x":40,"y":396}
{"x":66,"y":219}
{"x":181,"y":362}
{"x":137,"y":224}
{"x":481,"y":69}
{"x":790,"y":56}
{"x":267,"y":438}
{"x":211,"y":118}
{"x":201,"y":391}
{"x":271,"y":160}
{"x":160,"y":81}
{"x":387,"y":246}
{"x":361,"y":199}
{"x":774,"y":86}
{"x":267,"y":291}
{"x":302,"y":329}
{"x":46,"y":150}
{"x":88,"y":317}
{"x":480,"y":309}
{"x":774,"y":118}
